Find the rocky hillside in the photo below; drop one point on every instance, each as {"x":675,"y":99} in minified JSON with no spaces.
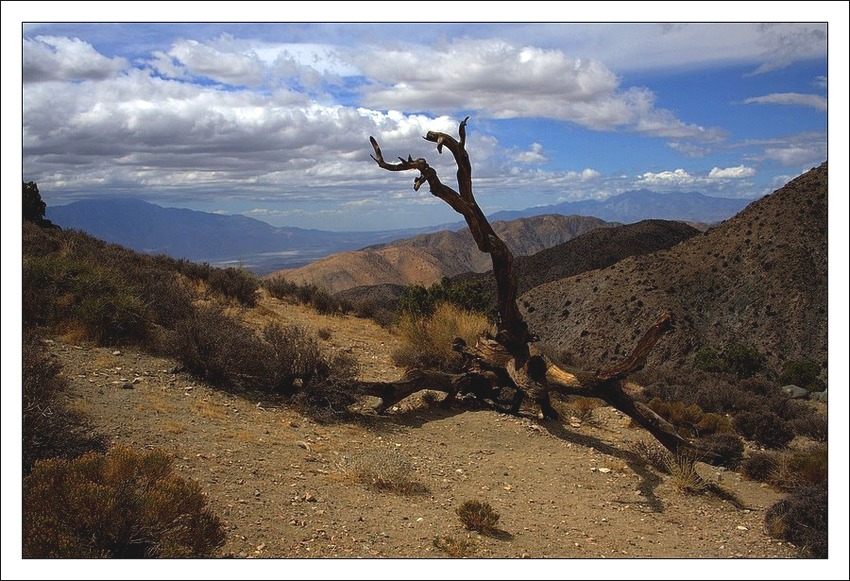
{"x":759,"y":278}
{"x":592,"y":250}
{"x":427,"y":258}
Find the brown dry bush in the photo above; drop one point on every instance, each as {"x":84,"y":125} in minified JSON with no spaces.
{"x":456,"y":548}
{"x":582,"y":407}
{"x":123,"y":504}
{"x":763,"y":427}
{"x":50,"y":429}
{"x":235,"y":283}
{"x":803,"y":519}
{"x":385,"y":469}
{"x":478,"y":516}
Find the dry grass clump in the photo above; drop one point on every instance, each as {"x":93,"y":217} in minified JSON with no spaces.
{"x":457,"y":548}
{"x":655,"y":455}
{"x":426,"y":342}
{"x":582,"y":407}
{"x":685,"y":476}
{"x":478,"y":516}
{"x":385,"y":469}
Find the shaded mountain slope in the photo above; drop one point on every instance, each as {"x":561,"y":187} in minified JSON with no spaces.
{"x":759,"y":278}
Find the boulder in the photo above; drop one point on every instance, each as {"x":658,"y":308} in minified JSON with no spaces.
{"x":795,"y":392}
{"x":819,"y":396}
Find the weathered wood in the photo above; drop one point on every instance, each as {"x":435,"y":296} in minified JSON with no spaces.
{"x":511,"y":359}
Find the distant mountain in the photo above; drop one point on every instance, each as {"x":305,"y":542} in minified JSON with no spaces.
{"x":206,"y":237}
{"x":427,"y":258}
{"x":760,"y":279}
{"x":638,"y":205}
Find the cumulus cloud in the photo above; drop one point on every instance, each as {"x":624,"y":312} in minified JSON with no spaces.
{"x":51,"y":58}
{"x":737,"y":172}
{"x":511,"y":81}
{"x":190,"y":58}
{"x":806,"y":100}
{"x":534,"y":155}
{"x":677,"y":177}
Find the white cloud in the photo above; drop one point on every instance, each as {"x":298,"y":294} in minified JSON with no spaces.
{"x":806,"y":100}
{"x":534,"y":155}
{"x":737,"y":172}
{"x":51,"y":58}
{"x":192,"y":58}
{"x":510,"y":81}
{"x":676,"y":177}
{"x":797,"y":155}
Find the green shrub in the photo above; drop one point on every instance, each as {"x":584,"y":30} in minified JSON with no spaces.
{"x":739,"y":359}
{"x":427,"y":342}
{"x":123,"y":504}
{"x":803,"y":519}
{"x":478,"y":516}
{"x":802,"y":372}
{"x":49,"y":428}
{"x":764,"y":427}
{"x":467,"y":295}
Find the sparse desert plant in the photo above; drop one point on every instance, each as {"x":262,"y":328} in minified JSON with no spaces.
{"x":799,"y":468}
{"x":741,"y":360}
{"x":814,"y":426}
{"x":235,"y":283}
{"x":478,"y":516}
{"x":728,"y":447}
{"x":760,"y":466}
{"x":455,"y":547}
{"x":582,"y":407}
{"x":803,"y":519}
{"x":50,"y":429}
{"x":655,"y":455}
{"x":383,"y":469}
{"x":764,"y":428}
{"x":685,"y":476}
{"x":122,"y":504}
{"x":324,"y":333}
{"x":426,"y":342}
{"x":279,"y":287}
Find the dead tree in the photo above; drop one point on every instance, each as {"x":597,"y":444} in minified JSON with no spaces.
{"x":511,"y":358}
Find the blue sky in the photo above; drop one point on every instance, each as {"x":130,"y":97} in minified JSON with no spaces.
{"x":272,"y":120}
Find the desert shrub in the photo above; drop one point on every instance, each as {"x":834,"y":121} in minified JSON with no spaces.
{"x":456,"y":548}
{"x":217,"y":348}
{"x":478,"y":516}
{"x":582,"y":407}
{"x":739,"y":359}
{"x":684,"y":475}
{"x":325,"y":333}
{"x":760,"y":466}
{"x":728,"y":447}
{"x":797,"y":468}
{"x":690,"y":420}
{"x":280,"y":288}
{"x":803,"y":519}
{"x":763,"y":427}
{"x":82,"y":293}
{"x":802,"y":372}
{"x":657,"y":456}
{"x":383,"y":469}
{"x":123,"y":504}
{"x":50,"y":429}
{"x":467,"y":295}
{"x":427,"y":342}
{"x":235,"y":283}
{"x":815,"y":426}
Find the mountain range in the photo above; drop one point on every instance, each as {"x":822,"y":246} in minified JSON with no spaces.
{"x":235,"y":239}
{"x":206,"y":237}
{"x":637,"y":205}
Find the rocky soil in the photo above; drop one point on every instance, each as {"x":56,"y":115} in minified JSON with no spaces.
{"x":286,"y":486}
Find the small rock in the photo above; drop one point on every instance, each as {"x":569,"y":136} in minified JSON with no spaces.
{"x":137,"y":379}
{"x":603,"y":470}
{"x":127,"y":385}
{"x":303,"y":444}
{"x":742,"y":528}
{"x":116,"y":352}
{"x":310,"y":498}
{"x":420,"y":519}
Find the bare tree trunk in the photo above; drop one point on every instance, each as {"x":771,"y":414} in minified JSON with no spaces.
{"x":511,"y":359}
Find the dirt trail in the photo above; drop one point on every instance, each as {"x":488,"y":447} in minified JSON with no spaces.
{"x":278,"y":480}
